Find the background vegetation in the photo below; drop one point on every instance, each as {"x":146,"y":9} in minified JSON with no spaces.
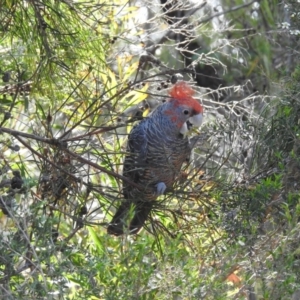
{"x":76,"y":76}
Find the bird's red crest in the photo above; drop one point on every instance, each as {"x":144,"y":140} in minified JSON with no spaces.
{"x":183,"y":93}
{"x":181,"y":90}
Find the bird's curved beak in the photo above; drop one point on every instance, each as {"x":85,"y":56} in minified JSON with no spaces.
{"x":184,"y":129}
{"x":196,"y":120}
{"x":192,"y":121}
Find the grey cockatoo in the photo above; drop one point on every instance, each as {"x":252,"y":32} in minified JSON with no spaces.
{"x":157,"y":147}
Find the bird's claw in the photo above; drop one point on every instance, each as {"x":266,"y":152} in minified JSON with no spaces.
{"x":160,"y":188}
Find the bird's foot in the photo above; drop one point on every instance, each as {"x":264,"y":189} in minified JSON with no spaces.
{"x":160,"y":188}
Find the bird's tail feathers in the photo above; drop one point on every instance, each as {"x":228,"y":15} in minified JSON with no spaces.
{"x":142,"y":211}
{"x":119,"y":224}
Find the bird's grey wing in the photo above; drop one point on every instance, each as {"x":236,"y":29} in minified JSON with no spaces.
{"x":136,"y":159}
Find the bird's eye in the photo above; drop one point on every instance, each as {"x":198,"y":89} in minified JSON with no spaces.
{"x":186,"y":112}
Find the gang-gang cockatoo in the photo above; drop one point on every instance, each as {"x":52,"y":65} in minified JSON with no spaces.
{"x":157,"y":147}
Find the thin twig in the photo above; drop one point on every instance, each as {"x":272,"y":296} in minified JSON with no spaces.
{"x":228,"y":11}
{"x":81,"y":159}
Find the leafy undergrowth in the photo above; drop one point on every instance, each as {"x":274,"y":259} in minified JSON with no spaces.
{"x":246,"y":242}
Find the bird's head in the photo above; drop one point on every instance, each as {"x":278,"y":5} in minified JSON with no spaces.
{"x":183,"y":109}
